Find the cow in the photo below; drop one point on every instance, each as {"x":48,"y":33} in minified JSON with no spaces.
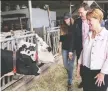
{"x":24,"y":64}
{"x":43,"y":50}
{"x":27,"y":50}
{"x":28,"y":57}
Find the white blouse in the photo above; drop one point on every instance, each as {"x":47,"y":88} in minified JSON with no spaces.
{"x":95,"y":53}
{"x":88,"y":52}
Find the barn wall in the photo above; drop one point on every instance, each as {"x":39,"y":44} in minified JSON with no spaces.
{"x":39,"y":16}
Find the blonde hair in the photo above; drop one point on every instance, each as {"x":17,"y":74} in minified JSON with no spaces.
{"x":95,"y":13}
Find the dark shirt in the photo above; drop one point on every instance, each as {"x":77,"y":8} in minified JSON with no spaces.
{"x":67,"y":40}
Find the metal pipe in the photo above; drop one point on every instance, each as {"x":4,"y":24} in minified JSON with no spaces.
{"x":93,"y":1}
{"x":30,"y":12}
{"x":0,"y":13}
{"x":70,"y":7}
{"x":99,"y":6}
{"x":49,"y":17}
{"x":21,"y":23}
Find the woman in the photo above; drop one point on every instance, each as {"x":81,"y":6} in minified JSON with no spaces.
{"x":66,"y":44}
{"x":94,"y":56}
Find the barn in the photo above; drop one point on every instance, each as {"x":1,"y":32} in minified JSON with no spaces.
{"x":37,"y":22}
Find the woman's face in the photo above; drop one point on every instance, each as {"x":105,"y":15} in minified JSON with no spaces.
{"x":93,"y":23}
{"x":67,"y":21}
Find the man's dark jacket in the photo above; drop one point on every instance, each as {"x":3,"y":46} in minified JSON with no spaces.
{"x":77,"y":36}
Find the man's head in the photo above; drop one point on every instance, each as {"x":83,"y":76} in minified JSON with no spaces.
{"x":83,"y":9}
{"x":67,"y":18}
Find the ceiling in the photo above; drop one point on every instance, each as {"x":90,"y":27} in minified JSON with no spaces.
{"x":53,"y":5}
{"x":60,"y":4}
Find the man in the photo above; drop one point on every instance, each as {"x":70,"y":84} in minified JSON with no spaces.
{"x":81,"y":29}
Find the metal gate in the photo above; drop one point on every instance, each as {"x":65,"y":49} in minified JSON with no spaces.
{"x":10,"y":44}
{"x":51,"y":37}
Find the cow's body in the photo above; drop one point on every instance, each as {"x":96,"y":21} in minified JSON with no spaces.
{"x":24,"y":64}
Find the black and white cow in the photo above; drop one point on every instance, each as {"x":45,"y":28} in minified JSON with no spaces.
{"x":44,"y":51}
{"x":24,"y":64}
{"x":27,"y":56}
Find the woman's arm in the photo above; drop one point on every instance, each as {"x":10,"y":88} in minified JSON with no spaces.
{"x":60,"y":44}
{"x":80,"y":58}
{"x":104,"y":70}
{"x":60,"y":48}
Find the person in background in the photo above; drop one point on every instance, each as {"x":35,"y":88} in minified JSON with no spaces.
{"x":106,"y":24}
{"x":103,"y":23}
{"x":65,"y":43}
{"x":94,"y":56}
{"x":81,"y":29}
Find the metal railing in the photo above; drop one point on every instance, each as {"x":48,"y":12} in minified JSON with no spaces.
{"x":10,"y":44}
{"x":51,"y":37}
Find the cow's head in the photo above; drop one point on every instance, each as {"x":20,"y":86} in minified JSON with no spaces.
{"x":25,"y":65}
{"x":27,"y":57}
{"x":44,"y":51}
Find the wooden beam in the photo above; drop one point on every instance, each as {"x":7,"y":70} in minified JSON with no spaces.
{"x":102,"y":1}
